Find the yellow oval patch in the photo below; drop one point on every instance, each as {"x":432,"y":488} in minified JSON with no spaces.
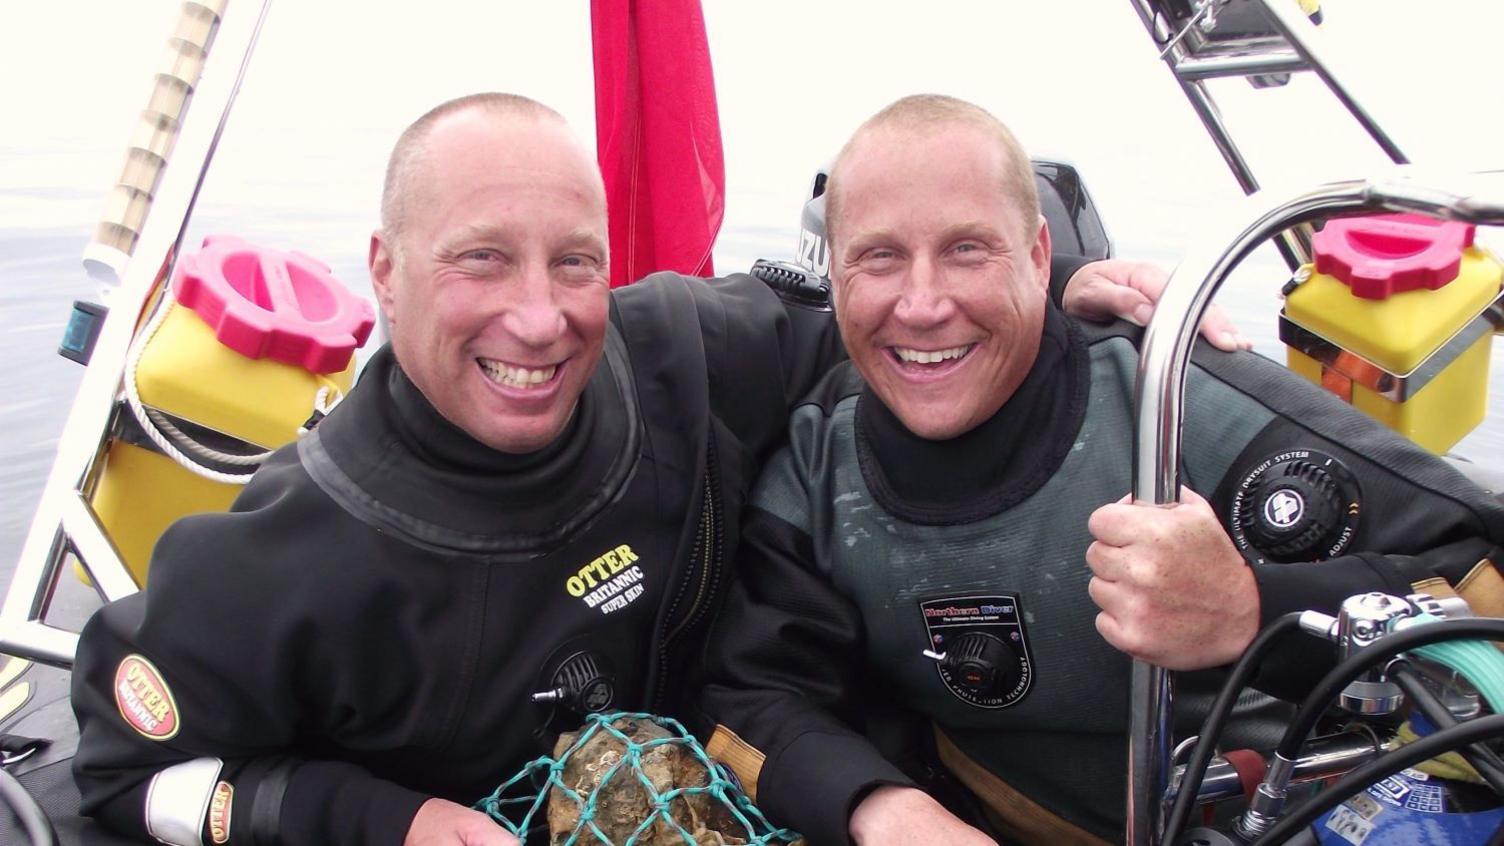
{"x":219,"y":811}
{"x":144,"y":700}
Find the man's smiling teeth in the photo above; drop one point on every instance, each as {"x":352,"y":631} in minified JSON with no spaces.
{"x":935,"y":357}
{"x":516,"y":377}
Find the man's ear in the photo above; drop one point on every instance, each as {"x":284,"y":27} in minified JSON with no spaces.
{"x":383,"y":265}
{"x":1039,"y":255}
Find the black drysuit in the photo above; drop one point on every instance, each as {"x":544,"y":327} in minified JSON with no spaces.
{"x":365,"y":627}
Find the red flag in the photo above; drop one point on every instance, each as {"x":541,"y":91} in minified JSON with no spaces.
{"x":658,"y":136}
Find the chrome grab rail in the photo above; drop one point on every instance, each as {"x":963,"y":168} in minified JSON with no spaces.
{"x":1324,"y":757}
{"x":1159,"y":398}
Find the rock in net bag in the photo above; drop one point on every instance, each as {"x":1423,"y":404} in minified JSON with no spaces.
{"x":629,"y":780}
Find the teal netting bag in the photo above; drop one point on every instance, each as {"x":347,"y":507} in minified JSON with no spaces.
{"x":629,"y":780}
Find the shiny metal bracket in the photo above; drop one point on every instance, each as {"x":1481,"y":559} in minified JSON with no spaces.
{"x":1396,"y":387}
{"x":1286,"y":43}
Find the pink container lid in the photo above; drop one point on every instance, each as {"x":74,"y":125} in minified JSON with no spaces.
{"x":272,"y":304}
{"x":1386,"y":254}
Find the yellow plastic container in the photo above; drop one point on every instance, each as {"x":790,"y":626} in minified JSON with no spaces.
{"x":142,"y":493}
{"x":189,"y":370}
{"x":185,"y":371}
{"x":1399,"y":334}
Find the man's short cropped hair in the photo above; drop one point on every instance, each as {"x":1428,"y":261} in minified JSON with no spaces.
{"x":921,"y":113}
{"x":409,"y":148}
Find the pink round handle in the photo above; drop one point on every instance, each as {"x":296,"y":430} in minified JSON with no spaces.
{"x":272,"y":304}
{"x":1387,"y":254}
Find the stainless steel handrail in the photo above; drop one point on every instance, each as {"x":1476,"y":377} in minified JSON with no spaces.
{"x":1159,"y":398}
{"x":1321,"y":757}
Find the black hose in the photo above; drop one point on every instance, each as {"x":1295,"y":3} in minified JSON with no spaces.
{"x":31,"y":815}
{"x":1382,"y":767}
{"x":1216,"y":718}
{"x":1372,"y":655}
{"x":1481,"y":757}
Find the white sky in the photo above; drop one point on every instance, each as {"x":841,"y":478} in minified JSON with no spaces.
{"x":335,"y":81}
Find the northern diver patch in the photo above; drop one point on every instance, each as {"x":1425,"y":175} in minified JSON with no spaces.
{"x":980,"y":648}
{"x":144,"y":700}
{"x":220,"y":805}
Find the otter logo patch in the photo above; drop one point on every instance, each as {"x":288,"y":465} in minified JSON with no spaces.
{"x":611,"y":582}
{"x":144,"y":700}
{"x":219,"y":812}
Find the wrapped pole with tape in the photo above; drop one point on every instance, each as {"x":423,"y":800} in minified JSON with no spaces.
{"x":139,"y":251}
{"x":152,"y":140}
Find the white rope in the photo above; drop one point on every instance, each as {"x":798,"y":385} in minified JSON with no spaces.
{"x":321,"y":407}
{"x":188,"y":443}
{"x":168,"y":437}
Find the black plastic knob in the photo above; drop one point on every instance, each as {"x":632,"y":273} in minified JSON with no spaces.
{"x":982,"y":663}
{"x":584,"y":686}
{"x":1295,"y":512}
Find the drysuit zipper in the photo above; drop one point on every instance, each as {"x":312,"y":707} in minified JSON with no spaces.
{"x":706,"y":552}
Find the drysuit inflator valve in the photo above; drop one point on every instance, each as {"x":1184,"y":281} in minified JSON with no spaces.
{"x":1295,"y":512}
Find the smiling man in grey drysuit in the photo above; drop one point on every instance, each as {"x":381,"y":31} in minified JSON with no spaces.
{"x":954,"y":490}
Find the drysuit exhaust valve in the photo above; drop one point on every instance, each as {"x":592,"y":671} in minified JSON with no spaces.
{"x":1296,"y":505}
{"x":581,"y":684}
{"x":980,"y":663}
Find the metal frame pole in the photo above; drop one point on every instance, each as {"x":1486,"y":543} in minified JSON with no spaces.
{"x":64,"y":521}
{"x":1306,"y":40}
{"x":1295,"y":246}
{"x":1159,"y":400}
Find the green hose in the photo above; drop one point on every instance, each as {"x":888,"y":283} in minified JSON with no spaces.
{"x":1479,"y":661}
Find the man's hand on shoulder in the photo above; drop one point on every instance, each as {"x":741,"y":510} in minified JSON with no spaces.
{"x":906,"y":815}
{"x":1173,"y":589}
{"x":1129,"y":289}
{"x":442,"y":823}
